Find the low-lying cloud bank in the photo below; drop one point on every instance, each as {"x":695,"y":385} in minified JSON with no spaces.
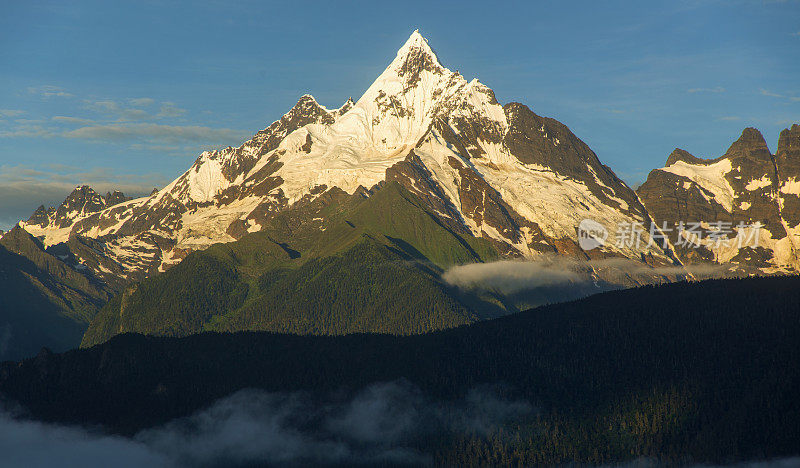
{"x":511,"y":276}
{"x":517,"y":276}
{"x":378,"y":425}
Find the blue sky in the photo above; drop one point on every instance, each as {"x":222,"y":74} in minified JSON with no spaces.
{"x":127,"y":94}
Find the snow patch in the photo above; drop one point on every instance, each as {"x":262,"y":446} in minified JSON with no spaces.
{"x":791,"y":186}
{"x":206,"y":180}
{"x":756,"y":184}
{"x":711,"y":177}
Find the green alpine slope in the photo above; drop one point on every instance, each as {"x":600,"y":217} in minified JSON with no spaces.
{"x":43,"y":301}
{"x":340,"y":264}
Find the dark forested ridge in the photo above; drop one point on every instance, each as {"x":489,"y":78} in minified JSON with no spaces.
{"x":703,"y":371}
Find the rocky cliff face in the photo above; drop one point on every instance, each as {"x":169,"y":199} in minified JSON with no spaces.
{"x":746,"y":186}
{"x":497,"y":172}
{"x":787,"y":163}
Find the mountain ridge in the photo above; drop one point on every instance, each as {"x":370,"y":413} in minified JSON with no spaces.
{"x":747,"y":184}
{"x":459,"y":134}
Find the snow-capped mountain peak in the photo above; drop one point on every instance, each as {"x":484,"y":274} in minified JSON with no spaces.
{"x":499,"y":172}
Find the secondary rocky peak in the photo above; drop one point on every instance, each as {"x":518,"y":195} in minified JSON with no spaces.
{"x":683,"y":155}
{"x":751,"y":144}
{"x":81,"y":201}
{"x":787,"y":160}
{"x":82,"y":195}
{"x":115,"y":197}
{"x":306,"y":111}
{"x":82,"y":189}
{"x":41,"y":216}
{"x":307,"y":106}
{"x":789,"y":141}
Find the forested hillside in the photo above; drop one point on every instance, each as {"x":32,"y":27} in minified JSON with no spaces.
{"x":372,"y":265}
{"x":705,"y":372}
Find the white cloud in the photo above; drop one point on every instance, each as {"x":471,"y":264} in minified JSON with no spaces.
{"x":150,"y":131}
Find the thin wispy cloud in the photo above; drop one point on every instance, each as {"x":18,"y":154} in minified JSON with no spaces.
{"x":615,"y":111}
{"x":141,"y":102}
{"x":158,"y":148}
{"x":139,"y":124}
{"x":115,"y":111}
{"x":768,"y":93}
{"x":152,"y":131}
{"x":10,"y":112}
{"x":102,"y":106}
{"x":133,"y":121}
{"x":27,"y":131}
{"x":48,"y":91}
{"x":72,"y":120}
{"x":58,"y":177}
{"x":765,"y":92}
{"x":716,"y":89}
{"x":730,"y":118}
{"x":169,"y":110}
